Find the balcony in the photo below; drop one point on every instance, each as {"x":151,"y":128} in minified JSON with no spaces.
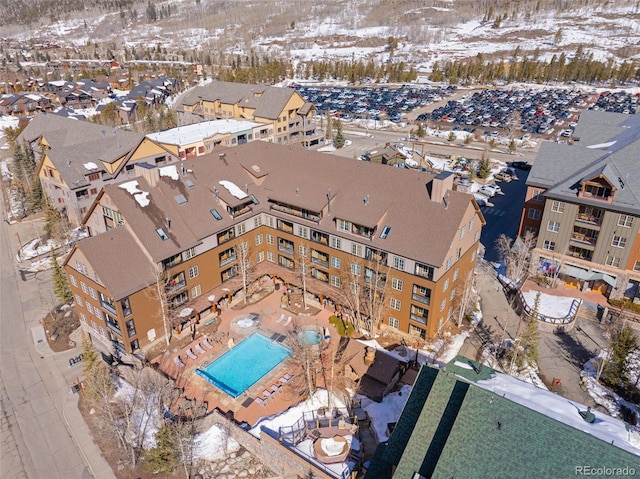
{"x":421,"y":299}
{"x":298,"y":212}
{"x":114,"y":327}
{"x":424,"y":271}
{"x":418,"y":318}
{"x":108,"y":306}
{"x":589,"y":219}
{"x":131,"y":331}
{"x":584,"y":239}
{"x":227,"y":259}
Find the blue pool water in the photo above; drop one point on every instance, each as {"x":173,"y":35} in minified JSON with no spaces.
{"x":240,"y":368}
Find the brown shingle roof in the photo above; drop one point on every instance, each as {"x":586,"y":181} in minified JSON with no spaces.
{"x":121,"y":265}
{"x":421,"y":229}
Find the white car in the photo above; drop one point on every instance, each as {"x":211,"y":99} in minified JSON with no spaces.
{"x":481,"y":200}
{"x":490,"y":190}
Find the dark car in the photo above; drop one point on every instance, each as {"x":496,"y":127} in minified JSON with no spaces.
{"x":522,"y":165}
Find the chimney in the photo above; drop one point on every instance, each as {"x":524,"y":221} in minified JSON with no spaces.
{"x":369,"y":355}
{"x":151,"y":173}
{"x":440,"y":185}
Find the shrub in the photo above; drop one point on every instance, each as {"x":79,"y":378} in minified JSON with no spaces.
{"x":343,"y":327}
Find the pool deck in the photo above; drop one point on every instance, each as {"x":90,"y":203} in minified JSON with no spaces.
{"x":251,"y":405}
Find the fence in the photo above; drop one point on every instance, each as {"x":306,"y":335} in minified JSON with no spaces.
{"x":567,"y":319}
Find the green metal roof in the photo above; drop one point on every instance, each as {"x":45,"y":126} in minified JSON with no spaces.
{"x":464,"y":431}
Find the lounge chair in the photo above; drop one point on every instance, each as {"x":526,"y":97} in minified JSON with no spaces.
{"x":275,"y":388}
{"x":266,"y":393}
{"x":287,"y":322}
{"x":280,"y":319}
{"x":199,"y":349}
{"x":190,"y":354}
{"x":260,"y":401}
{"x":207,"y":344}
{"x":178,"y":362}
{"x":283,"y":380}
{"x":287,"y":376}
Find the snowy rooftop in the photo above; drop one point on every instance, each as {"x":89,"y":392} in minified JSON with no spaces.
{"x":184,"y":135}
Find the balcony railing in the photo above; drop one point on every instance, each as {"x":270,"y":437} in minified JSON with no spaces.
{"x":584,"y":239}
{"x":418,"y":318}
{"x":174,"y":286}
{"x":320,"y":262}
{"x":225,"y":260}
{"x":109,"y":307}
{"x":115,"y":327}
{"x":589,"y":219}
{"x":421,"y":299}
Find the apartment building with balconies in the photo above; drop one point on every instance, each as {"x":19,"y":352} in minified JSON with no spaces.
{"x":286,"y":116}
{"x":169,"y":244}
{"x":583,"y":204}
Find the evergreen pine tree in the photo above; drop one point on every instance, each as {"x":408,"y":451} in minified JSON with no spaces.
{"x":162,"y":457}
{"x":339,"y":139}
{"x":512,"y":146}
{"x":329,"y":126}
{"x":421,"y":133}
{"x":530,"y":337}
{"x":60,"y":285}
{"x":616,"y":372}
{"x":89,"y":355}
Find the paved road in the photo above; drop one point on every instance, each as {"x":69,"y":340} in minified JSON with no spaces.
{"x":41,"y":429}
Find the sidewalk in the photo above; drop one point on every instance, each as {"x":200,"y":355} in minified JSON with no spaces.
{"x":560,"y":356}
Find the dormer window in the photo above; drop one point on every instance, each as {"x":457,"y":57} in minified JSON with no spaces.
{"x":597,"y":188}
{"x":596,"y":191}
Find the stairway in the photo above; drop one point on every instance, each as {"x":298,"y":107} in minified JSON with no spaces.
{"x":588,"y":312}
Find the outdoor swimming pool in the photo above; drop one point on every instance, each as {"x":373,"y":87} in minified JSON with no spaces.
{"x":240,"y":368}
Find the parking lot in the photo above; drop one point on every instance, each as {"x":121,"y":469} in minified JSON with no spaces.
{"x":375,"y":103}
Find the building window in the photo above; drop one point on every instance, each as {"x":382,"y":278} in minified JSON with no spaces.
{"x":344,"y":226}
{"x":73,"y":280}
{"x":397,"y":284}
{"x":473,"y":256}
{"x":394,"y":322}
{"x":445,"y":286}
{"x":443,"y":304}
{"x":557,"y":206}
{"x":398,"y":263}
{"x":455,"y":274}
{"x":78,"y":300}
{"x":425,"y":271}
{"x":449,"y":264}
{"x":335,"y":281}
{"x":356,"y":249}
{"x":196,"y":291}
{"x":636,"y":266}
{"x":625,"y":221}
{"x":92,"y":293}
{"x":131,"y":328}
{"x":269,"y":239}
{"x":612,"y":261}
{"x":356,"y":269}
{"x":302,"y":250}
{"x":260,"y":257}
{"x":462,"y":231}
{"x":135,"y":345}
{"x":395,"y":304}
{"x":89,"y":307}
{"x":241,"y":229}
{"x":335,"y":262}
{"x":194,"y":271}
{"x":190,"y":253}
{"x":83,"y":318}
{"x":259,"y":239}
{"x":470,"y":224}
{"x":303,"y":232}
{"x":271,"y":256}
{"x":619,"y":241}
{"x":533,"y":214}
{"x":536,"y":195}
{"x":553,"y":226}
{"x":257,"y":221}
{"x":84,"y":288}
{"x":355,"y":288}
{"x":549,"y":245}
{"x":336,"y":242}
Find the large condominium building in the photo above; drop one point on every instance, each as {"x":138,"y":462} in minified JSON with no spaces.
{"x":285,"y":115}
{"x":583,"y":203}
{"x":167,"y":245}
{"x":76,"y":158}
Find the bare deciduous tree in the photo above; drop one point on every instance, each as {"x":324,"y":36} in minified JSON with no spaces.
{"x":516,"y":256}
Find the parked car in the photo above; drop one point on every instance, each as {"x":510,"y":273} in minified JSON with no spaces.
{"x":521,"y":165}
{"x":481,"y":200}
{"x":502,"y":176}
{"x":490,"y":190}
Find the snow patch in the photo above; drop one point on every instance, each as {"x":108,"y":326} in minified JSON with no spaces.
{"x":171,"y":171}
{"x":233,"y":189}
{"x":214,"y":444}
{"x":90,"y":166}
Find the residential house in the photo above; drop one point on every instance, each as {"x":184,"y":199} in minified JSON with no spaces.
{"x":263,"y":209}
{"x":473,"y":422}
{"x":582,"y":203}
{"x":283,"y":111}
{"x":76,"y":158}
{"x":388,"y":155}
{"x":23,"y":104}
{"x":201,"y":138}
